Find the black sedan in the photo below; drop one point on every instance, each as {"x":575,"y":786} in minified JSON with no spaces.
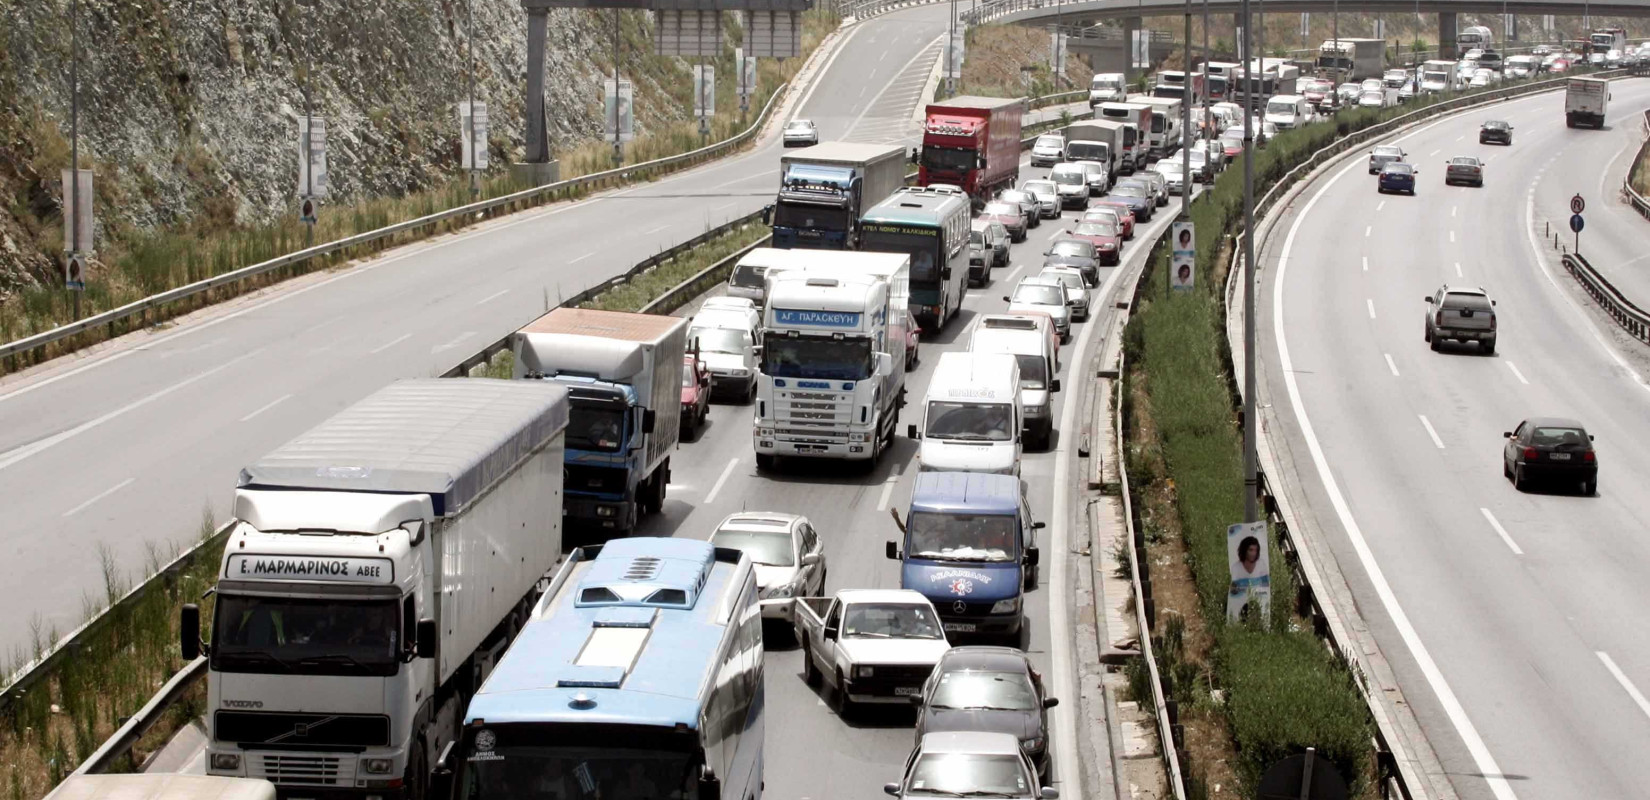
{"x":1075,"y":253}
{"x":988,"y":689}
{"x":1137,"y":196}
{"x":1495,"y":131}
{"x":1550,"y":447}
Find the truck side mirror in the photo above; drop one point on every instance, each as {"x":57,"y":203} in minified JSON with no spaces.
{"x":441,"y":774}
{"x":1050,"y":793}
{"x":911,"y":432}
{"x":945,"y":273}
{"x":1054,"y":386}
{"x":767,"y":214}
{"x":831,"y":632}
{"x":1037,"y":526}
{"x":884,"y":364}
{"x":647,"y":420}
{"x":1050,"y":702}
{"x":189,"y":624}
{"x":1033,"y":556}
{"x":891,"y":550}
{"x":891,"y":789}
{"x":427,"y":637}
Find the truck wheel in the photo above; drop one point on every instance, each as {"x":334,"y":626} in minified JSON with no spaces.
{"x":764,"y":462}
{"x":810,"y":673}
{"x":416,"y":773}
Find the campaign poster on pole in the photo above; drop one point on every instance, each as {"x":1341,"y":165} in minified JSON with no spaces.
{"x":312,"y":157}
{"x":472,"y":128}
{"x":625,"y":118}
{"x":1247,"y":554}
{"x":704,"y":91}
{"x":1306,"y":24}
{"x":77,"y":219}
{"x":1183,"y":257}
{"x":959,"y":46}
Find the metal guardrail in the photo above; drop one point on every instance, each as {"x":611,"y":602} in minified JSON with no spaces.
{"x":677,"y":296}
{"x":133,"y":729}
{"x":506,"y":203}
{"x":1631,"y":318}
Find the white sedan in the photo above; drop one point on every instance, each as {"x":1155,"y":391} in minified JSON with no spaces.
{"x":787,"y":553}
{"x":800,"y":133}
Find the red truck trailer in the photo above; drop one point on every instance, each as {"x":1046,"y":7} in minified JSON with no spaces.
{"x":972,"y":142}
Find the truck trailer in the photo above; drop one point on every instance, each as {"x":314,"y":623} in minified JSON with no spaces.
{"x":376,"y":568}
{"x":623,"y":374}
{"x":824,"y":189}
{"x":974,"y":143}
{"x":1585,"y":100}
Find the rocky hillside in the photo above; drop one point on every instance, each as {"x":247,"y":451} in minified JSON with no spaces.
{"x":188,"y":108}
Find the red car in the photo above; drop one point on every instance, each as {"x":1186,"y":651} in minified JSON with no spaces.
{"x":695,"y":394}
{"x":1559,"y":65}
{"x":1123,"y":213}
{"x":1105,"y":238}
{"x":1010,"y":215}
{"x":912,"y":332}
{"x":1233,"y":147}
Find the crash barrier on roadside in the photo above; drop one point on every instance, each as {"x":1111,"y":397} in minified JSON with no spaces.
{"x":1632,"y":319}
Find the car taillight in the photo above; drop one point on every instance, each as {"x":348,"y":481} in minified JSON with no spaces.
{"x":1589,"y":456}
{"x":1492,"y":322}
{"x":1438,"y":319}
{"x":1529,"y":453}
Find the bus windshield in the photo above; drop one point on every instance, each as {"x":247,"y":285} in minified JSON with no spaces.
{"x":922,"y":244}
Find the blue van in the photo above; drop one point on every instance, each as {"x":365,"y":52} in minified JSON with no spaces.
{"x":970,"y":547}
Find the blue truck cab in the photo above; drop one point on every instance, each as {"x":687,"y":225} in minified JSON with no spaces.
{"x":970,"y":547}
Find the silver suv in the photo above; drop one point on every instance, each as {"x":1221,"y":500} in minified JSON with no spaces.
{"x":1462,"y":315}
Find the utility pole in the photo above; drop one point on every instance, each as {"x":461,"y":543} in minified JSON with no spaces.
{"x":1186,"y":120}
{"x":74,"y":138}
{"x":1335,"y":34}
{"x":470,"y":80}
{"x":1208,"y":132}
{"x":1250,"y":479}
{"x":618,"y":146}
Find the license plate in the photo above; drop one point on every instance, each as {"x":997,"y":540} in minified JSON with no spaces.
{"x":906,"y":691}
{"x":1560,"y":456}
{"x":961,"y":627}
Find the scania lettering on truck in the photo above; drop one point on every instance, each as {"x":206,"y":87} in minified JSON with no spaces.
{"x":972,"y":142}
{"x":1348,"y":59}
{"x":1164,"y":135}
{"x":639,"y":675}
{"x":932,"y":228}
{"x":971,"y":417}
{"x":824,"y":189}
{"x":970,"y":547}
{"x":376,"y":567}
{"x":1138,"y":115}
{"x":1585,"y":100}
{"x":1108,"y":87}
{"x":832,"y":375}
{"x":623,"y":374}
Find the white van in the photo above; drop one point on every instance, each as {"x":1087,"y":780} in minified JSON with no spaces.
{"x":1287,"y":111}
{"x":971,"y":417}
{"x":1108,"y":87}
{"x":724,"y":333}
{"x":1022,"y":336}
{"x":748,"y":279}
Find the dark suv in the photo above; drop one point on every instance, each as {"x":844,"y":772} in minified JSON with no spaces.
{"x":1461,"y":315}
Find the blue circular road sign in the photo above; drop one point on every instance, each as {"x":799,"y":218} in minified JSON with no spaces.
{"x":1577,"y":223}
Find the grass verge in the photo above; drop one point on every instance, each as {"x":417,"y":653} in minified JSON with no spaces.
{"x":1640,"y":175}
{"x":136,"y":264}
{"x":1249,"y":694}
{"x":642,"y":289}
{"x":46,"y":732}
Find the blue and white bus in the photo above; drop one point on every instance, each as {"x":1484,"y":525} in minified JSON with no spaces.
{"x":932,"y":227}
{"x":638,"y":675}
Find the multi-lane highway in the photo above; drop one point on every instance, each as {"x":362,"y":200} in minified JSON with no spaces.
{"x":123,"y":447}
{"x":1514,"y":621}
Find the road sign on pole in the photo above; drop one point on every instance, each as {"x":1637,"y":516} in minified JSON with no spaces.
{"x":1577,"y":223}
{"x":1577,"y":205}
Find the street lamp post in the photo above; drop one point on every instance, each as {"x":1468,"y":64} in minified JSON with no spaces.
{"x":1186,"y":122}
{"x":1250,"y":482}
{"x":470,"y":90}
{"x":74,"y":139}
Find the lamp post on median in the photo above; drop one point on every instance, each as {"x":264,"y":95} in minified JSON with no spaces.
{"x":1250,"y":481}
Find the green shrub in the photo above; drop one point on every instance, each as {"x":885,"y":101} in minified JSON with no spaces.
{"x":1285,"y":693}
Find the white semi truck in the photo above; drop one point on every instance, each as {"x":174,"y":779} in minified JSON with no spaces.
{"x":623,"y":374}
{"x":832,"y":373}
{"x":378,"y":565}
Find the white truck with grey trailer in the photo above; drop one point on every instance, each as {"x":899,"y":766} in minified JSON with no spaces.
{"x":376,"y":568}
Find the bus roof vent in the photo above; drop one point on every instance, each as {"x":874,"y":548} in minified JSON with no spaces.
{"x":647,"y":573}
{"x":824,"y":282}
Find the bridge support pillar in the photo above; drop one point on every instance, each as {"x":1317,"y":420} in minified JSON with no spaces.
{"x":1131,"y":27}
{"x":1446,"y":36}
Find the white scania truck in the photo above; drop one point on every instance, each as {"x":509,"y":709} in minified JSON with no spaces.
{"x":832,"y":372}
{"x":379,"y":564}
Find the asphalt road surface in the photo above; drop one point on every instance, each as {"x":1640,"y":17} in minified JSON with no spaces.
{"x":1515,"y":622}
{"x":120,"y":451}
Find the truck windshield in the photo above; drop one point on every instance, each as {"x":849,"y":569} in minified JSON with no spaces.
{"x":983,"y":422}
{"x":890,"y":621}
{"x":1434,"y":77}
{"x":962,"y":537}
{"x":721,"y":340}
{"x":748,"y":276}
{"x":1033,"y":371}
{"x":948,"y":159}
{"x":1280,"y":107}
{"x":923,"y":245}
{"x":815,"y":357}
{"x":306,"y":636}
{"x":1087,"y":151}
{"x":811,"y":217}
{"x":597,"y":427}
{"x":526,"y":772}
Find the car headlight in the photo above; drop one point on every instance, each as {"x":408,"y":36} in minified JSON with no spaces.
{"x":226,"y":761}
{"x":739,"y":372}
{"x":376,"y":766}
{"x":863,"y":672}
{"x":781,"y":592}
{"x":1008,"y":606}
{"x":1032,"y":744}
{"x":604,"y":511}
{"x":1107,"y":246}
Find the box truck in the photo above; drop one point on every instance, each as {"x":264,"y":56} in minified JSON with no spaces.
{"x":824,"y":189}
{"x":974,"y":143}
{"x":1139,"y":116}
{"x":623,"y":374}
{"x":376,"y":567}
{"x":1584,"y":102}
{"x":1346,"y":59}
{"x":1103,"y":141}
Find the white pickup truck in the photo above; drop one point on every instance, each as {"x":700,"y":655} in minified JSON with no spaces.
{"x":872,"y":645}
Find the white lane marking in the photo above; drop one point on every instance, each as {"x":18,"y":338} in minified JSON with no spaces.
{"x":1367,"y":229}
{"x":1457,"y":269}
{"x":1435,"y":152}
{"x":1380,"y":205}
{"x":717,"y":487}
{"x":1453,"y":209}
{"x":1371,"y":305}
{"x":1621,"y":678}
{"x":1500,"y":531}
{"x":854,"y":126}
{"x":883,"y":57}
{"x":888,"y":487}
{"x":267,"y":406}
{"x":454,"y":343}
{"x":1366,"y":263}
{"x":1459,"y":138}
{"x":1452,"y":237}
{"x":581,"y":258}
{"x":13,"y":456}
{"x":660,"y":228}
{"x":1457,"y":714}
{"x":1425,"y":423}
{"x":494,"y":296}
{"x":863,"y":87}
{"x":740,"y":179}
{"x":1013,"y":272}
{"x":387,"y":345}
{"x":99,"y":496}
{"x":1390,"y":364}
{"x":1517,"y":374}
{"x":825,"y":68}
